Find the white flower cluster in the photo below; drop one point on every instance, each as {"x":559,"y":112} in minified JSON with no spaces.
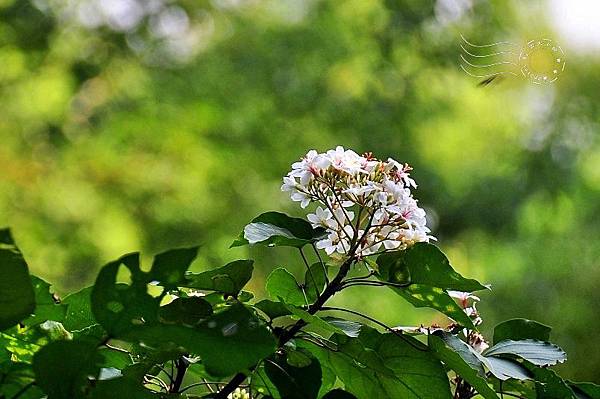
{"x":365,"y":204}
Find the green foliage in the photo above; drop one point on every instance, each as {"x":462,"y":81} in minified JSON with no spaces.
{"x":518,"y":329}
{"x":167,"y":332}
{"x":16,"y":290}
{"x":422,"y":275}
{"x":278,"y":229}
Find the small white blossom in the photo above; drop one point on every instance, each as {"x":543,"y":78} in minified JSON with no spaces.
{"x":321,"y":218}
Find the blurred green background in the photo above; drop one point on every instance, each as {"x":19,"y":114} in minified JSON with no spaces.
{"x":141,"y":125}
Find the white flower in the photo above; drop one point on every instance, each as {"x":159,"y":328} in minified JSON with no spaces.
{"x":463,"y":298}
{"x":301,"y":197}
{"x":309,"y":166}
{"x":346,"y":160}
{"x":321,"y":218}
{"x":329,"y":244}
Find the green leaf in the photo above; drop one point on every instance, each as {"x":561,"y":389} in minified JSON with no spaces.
{"x":425,"y":264}
{"x":228,"y":342}
{"x":188,"y":311}
{"x":348,"y":327}
{"x":297,"y":358}
{"x":282,"y":284}
{"x":314,"y":280}
{"x":272,"y":309}
{"x":378,"y":365}
{"x":339,"y":394}
{"x":17,"y":297}
{"x":229,"y":279}
{"x":79,"y":310}
{"x":537,"y":352}
{"x":169,"y":267}
{"x":294,"y":382}
{"x":46,"y":308}
{"x":504,"y":369}
{"x":585,"y":390}
{"x":121,"y":388}
{"x":120,"y":307}
{"x":548,"y":385}
{"x":461,"y":358}
{"x":17,"y":377}
{"x":278,"y":229}
{"x":523,"y":388}
{"x":427,"y":274}
{"x":436,"y":298}
{"x":313,"y":320}
{"x":62,"y":368}
{"x":518,"y":329}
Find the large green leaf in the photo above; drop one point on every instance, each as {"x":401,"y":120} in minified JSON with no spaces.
{"x":378,"y":365}
{"x":229,"y":279}
{"x":46,"y":306}
{"x":503,"y":369}
{"x":421,"y":296}
{"x":424,"y":274}
{"x":424,"y":264}
{"x":62,"y":368}
{"x":169,"y":267}
{"x":295,"y":382}
{"x":272,"y":309}
{"x":17,"y":296}
{"x":585,"y":390}
{"x":278,"y":229}
{"x":314,"y":280}
{"x":461,"y":358}
{"x":537,"y":352}
{"x":122,"y":388}
{"x":79,"y":310}
{"x":120,"y":307}
{"x":188,"y":311}
{"x":548,"y":385}
{"x":18,"y":378}
{"x":282,"y":284}
{"x":228,"y":342}
{"x":518,"y":329}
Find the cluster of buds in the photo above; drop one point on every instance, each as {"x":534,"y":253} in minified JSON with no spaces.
{"x":365,"y":204}
{"x":239,"y":393}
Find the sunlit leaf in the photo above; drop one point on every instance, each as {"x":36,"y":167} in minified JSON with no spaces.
{"x":278,"y":229}
{"x":537,"y":352}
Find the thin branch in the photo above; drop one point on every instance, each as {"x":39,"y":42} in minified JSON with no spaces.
{"x":379,"y":323}
{"x":161,"y":383}
{"x":321,"y":262}
{"x":310,"y":273}
{"x":353,"y":282}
